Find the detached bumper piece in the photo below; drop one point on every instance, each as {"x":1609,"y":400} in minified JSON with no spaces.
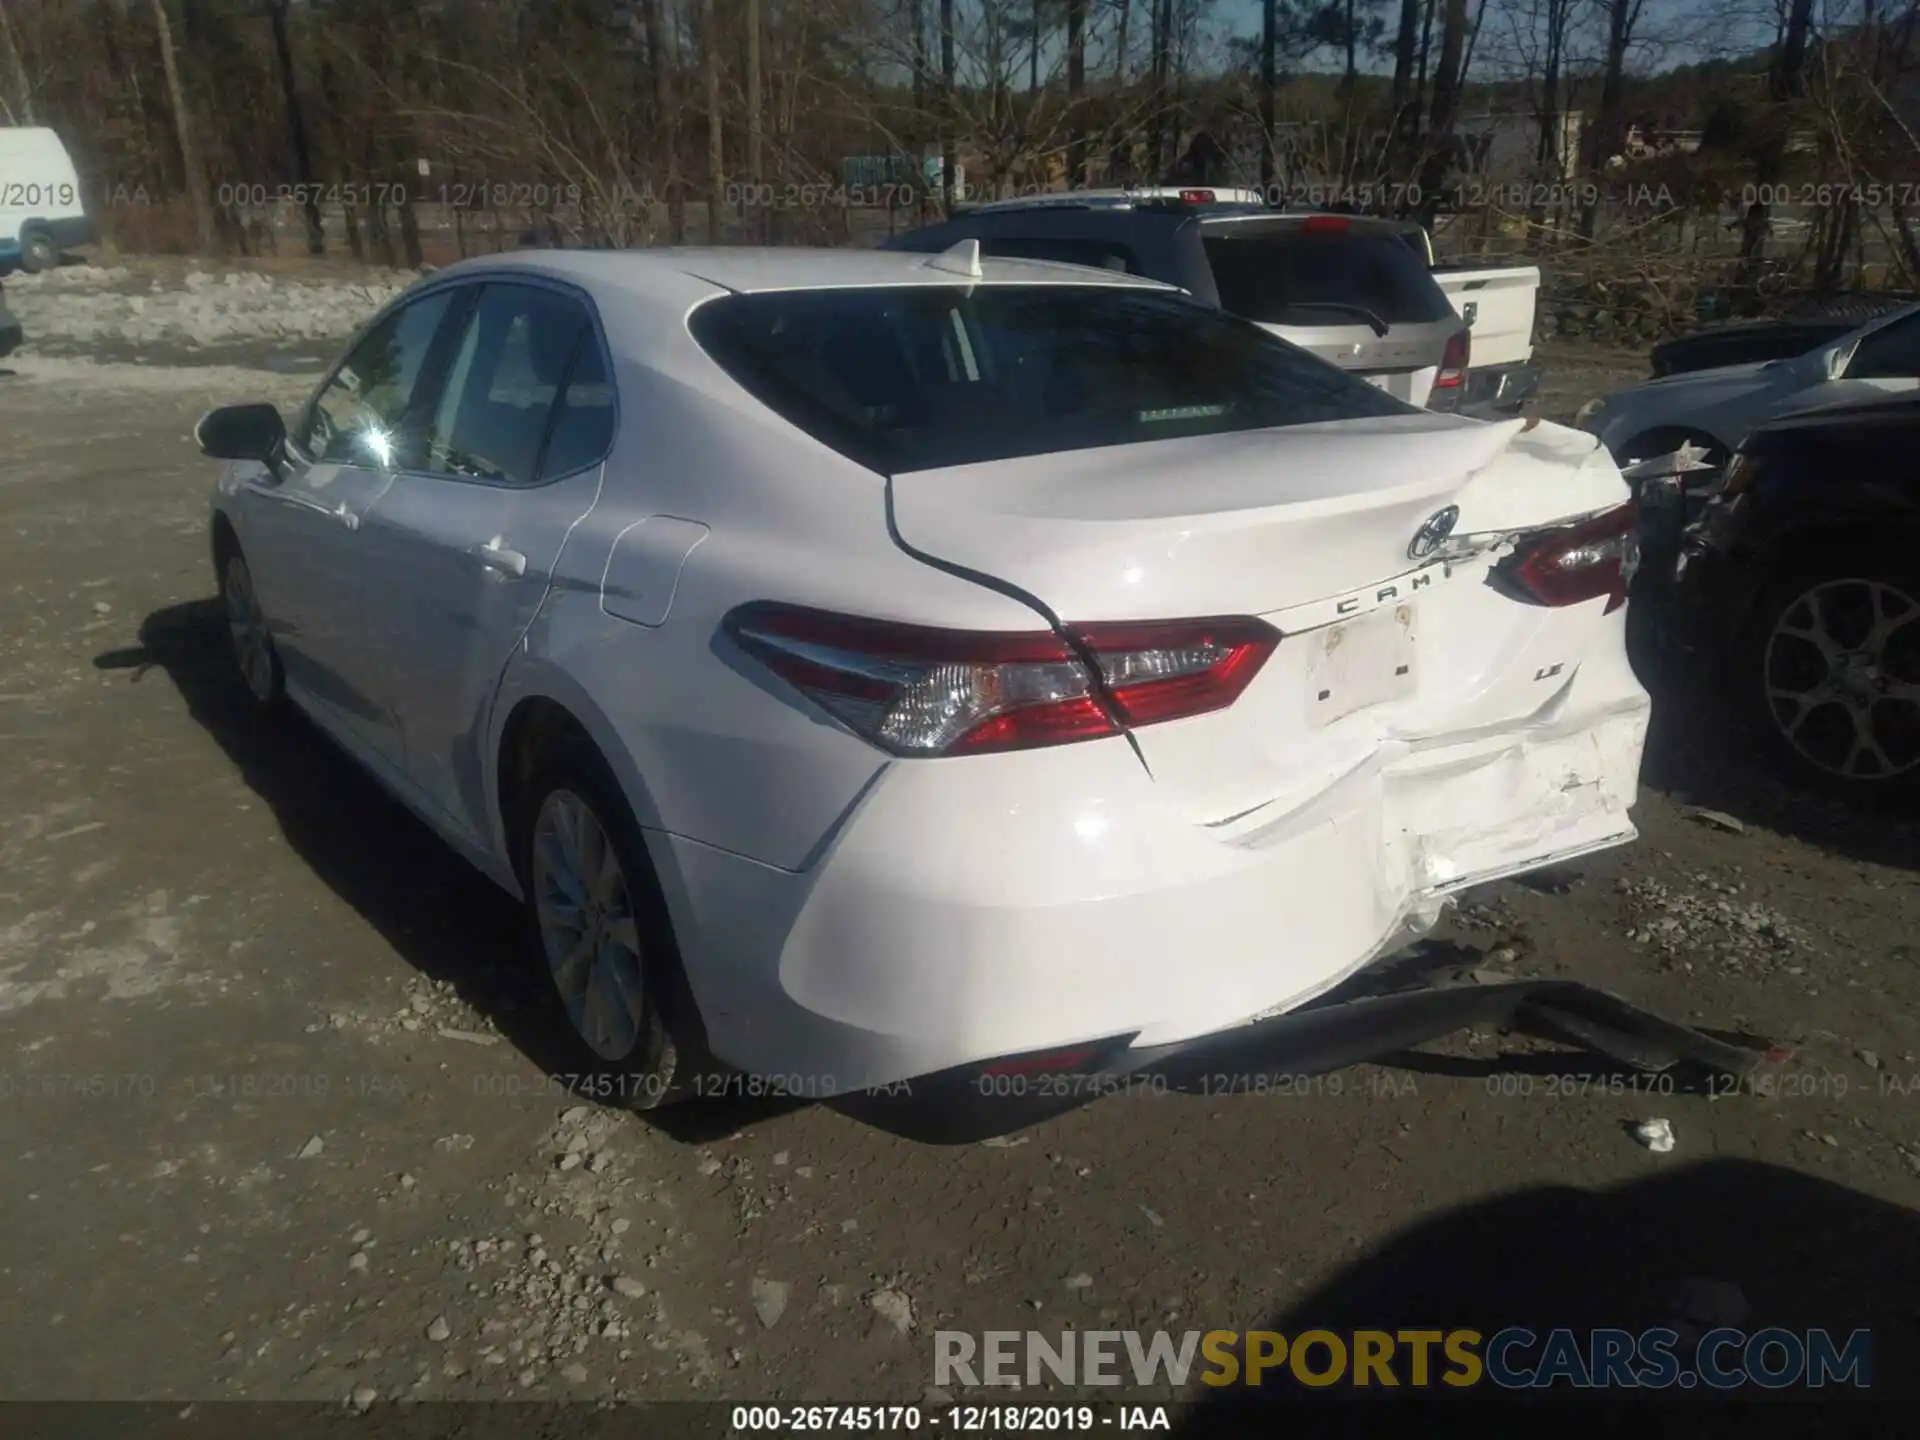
{"x":1345,"y":1027}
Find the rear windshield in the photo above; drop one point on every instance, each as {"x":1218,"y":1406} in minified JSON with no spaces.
{"x":915,"y":378}
{"x":1306,"y":277}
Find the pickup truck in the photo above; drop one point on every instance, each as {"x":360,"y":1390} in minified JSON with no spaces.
{"x":1498,"y":305}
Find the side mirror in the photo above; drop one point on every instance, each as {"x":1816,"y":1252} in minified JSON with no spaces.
{"x":242,"y":432}
{"x":1836,"y":358}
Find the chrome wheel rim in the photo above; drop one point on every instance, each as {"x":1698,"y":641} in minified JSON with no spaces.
{"x":1842,"y":678}
{"x":247,"y":627}
{"x":587,"y":926}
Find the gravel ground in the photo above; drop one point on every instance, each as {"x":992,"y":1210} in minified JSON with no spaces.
{"x":277,"y":1121}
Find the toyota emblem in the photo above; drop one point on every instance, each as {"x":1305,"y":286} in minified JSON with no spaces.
{"x":1430,"y":536}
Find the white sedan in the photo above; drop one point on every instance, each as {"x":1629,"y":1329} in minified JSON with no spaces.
{"x":866,"y":665}
{"x":1713,"y":410}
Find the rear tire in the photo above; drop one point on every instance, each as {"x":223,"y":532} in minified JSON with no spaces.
{"x":1828,"y":676}
{"x":601,"y":931}
{"x":38,"y":252}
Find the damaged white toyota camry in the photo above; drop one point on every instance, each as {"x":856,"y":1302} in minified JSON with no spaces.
{"x":868,"y":666}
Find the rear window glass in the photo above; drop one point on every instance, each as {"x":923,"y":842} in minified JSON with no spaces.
{"x":916,"y":378}
{"x":1298,"y":277}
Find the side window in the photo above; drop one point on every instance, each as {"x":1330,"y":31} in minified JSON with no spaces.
{"x":1099,"y":254}
{"x":502,"y":383}
{"x":368,"y":413}
{"x":583,"y":425}
{"x":1889,"y":353}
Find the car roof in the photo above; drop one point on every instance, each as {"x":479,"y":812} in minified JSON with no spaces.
{"x":760,"y":270}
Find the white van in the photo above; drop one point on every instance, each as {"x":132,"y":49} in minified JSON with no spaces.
{"x":40,"y":201}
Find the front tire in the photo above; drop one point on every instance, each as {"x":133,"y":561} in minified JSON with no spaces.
{"x":602,"y":931}
{"x":248,"y":637}
{"x":1830,"y":676}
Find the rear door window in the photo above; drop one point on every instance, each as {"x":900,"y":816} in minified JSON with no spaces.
{"x":583,"y":424}
{"x":504,"y":379}
{"x":1098,"y":254}
{"x":1295,"y":276}
{"x":916,"y":378}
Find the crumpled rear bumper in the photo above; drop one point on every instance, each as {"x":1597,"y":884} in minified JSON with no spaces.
{"x":1054,"y":899}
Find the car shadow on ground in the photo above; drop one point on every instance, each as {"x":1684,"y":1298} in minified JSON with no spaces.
{"x":1722,"y":1243}
{"x":1699,"y":753}
{"x":439,"y":914}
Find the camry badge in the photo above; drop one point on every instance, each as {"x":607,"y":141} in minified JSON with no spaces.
{"x":1430,"y":536}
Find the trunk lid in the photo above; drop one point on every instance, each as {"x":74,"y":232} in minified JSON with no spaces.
{"x":1311,"y":527}
{"x":1242,"y":523}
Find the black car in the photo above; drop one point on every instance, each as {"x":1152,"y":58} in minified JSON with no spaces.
{"x":1354,"y":290}
{"x":1753,"y":342}
{"x":1800,"y":584}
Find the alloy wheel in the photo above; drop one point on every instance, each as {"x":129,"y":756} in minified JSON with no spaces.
{"x":247,"y":628}
{"x":587,"y":926}
{"x":1841,"y":672}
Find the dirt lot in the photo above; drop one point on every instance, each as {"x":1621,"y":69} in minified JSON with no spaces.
{"x":273,"y":1120}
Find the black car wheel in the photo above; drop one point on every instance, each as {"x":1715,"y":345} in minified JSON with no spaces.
{"x":1832,"y":675}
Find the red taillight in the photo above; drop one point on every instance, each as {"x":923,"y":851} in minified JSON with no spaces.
{"x":1579,"y":562}
{"x":1196,"y":197}
{"x":1454,"y":361}
{"x":915,"y":690}
{"x":1326,"y":222}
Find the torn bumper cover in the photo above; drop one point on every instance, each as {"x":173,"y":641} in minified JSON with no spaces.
{"x":1348,"y":1026}
{"x":916,"y":950}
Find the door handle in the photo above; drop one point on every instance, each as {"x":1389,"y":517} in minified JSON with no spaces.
{"x":496,"y":556}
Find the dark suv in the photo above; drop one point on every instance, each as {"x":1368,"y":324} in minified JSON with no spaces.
{"x":1353,"y":290}
{"x":1799,"y":589}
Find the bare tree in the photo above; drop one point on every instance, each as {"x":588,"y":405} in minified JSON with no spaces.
{"x":949,"y":96}
{"x":298,"y":146}
{"x":1446,"y":107}
{"x":1076,"y":91}
{"x":1603,"y":135}
{"x":755,"y":154}
{"x":1405,"y":99}
{"x":1269,"y":40}
{"x":20,"y":108}
{"x":716,"y":148}
{"x":1784,"y":82}
{"x":195,"y":173}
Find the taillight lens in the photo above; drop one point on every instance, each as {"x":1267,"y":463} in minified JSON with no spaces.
{"x":1196,"y":197}
{"x":1318,"y":224}
{"x":1579,"y":562}
{"x":916,"y":690}
{"x":1454,"y":361}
